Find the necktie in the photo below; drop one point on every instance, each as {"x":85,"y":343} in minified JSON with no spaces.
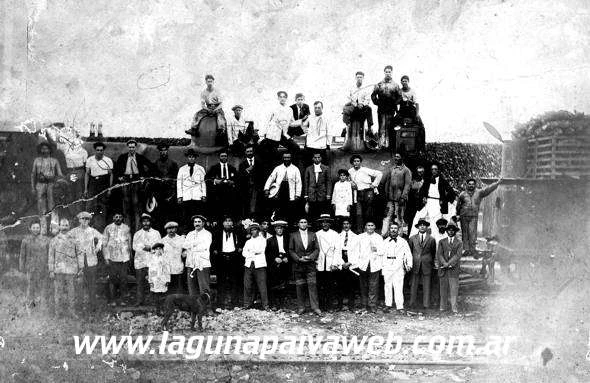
{"x":227,"y":235}
{"x":134,"y":166}
{"x":422,"y":239}
{"x":250,"y":162}
{"x":346,"y":239}
{"x":191,"y":167}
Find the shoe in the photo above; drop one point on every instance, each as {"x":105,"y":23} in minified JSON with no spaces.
{"x":401,"y":311}
{"x":371,"y":310}
{"x":386,"y":310}
{"x":301,"y":311}
{"x":317,"y":312}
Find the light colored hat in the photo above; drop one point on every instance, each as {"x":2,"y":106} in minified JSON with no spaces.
{"x":84,"y":214}
{"x":325,"y":217}
{"x":170,"y":224}
{"x":146,"y":215}
{"x":254,"y":225}
{"x":279,"y":222}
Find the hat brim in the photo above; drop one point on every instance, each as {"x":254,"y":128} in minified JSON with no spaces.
{"x":427,"y":224}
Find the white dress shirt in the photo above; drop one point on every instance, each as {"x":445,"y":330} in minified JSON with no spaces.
{"x":396,"y":254}
{"x":350,"y":245}
{"x":235,"y":127}
{"x":293,"y":177}
{"x":173,"y":253}
{"x":280,"y":243}
{"x":99,"y":167}
{"x":141,"y":239}
{"x":342,"y":198}
{"x":318,"y":133}
{"x":360,"y":96}
{"x":254,"y":252}
{"x":227,"y":243}
{"x":366,"y":254}
{"x":198,"y":244}
{"x":158,"y":273}
{"x":191,"y":187}
{"x":433,"y":189}
{"x":278,"y":124}
{"x":330,"y":253}
{"x":364,"y":177}
{"x":304,"y":238}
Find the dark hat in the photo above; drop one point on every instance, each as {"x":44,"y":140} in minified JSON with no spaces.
{"x":452,"y":226}
{"x":145,"y":216}
{"x":325,"y":217}
{"x":354,"y":156}
{"x":190,"y":151}
{"x":282,"y":92}
{"x":202,"y":217}
{"x":131,"y":141}
{"x":99,"y":144}
{"x":237,"y":106}
{"x":162,"y":145}
{"x":422,"y":221}
{"x":441,"y":222}
{"x":342,"y":171}
{"x":297,"y":95}
{"x":42,"y":144}
{"x":157,"y":245}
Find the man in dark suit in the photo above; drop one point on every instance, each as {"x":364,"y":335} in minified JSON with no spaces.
{"x":304,"y":251}
{"x":317,"y":188}
{"x":448,"y":255}
{"x":436,"y":194}
{"x":130,"y":167}
{"x":228,"y":262}
{"x":251,"y":178}
{"x":278,"y":267}
{"x":423,"y":248}
{"x":221,"y":182}
{"x":300,"y":112}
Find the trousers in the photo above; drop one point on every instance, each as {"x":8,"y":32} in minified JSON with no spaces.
{"x":64,"y":292}
{"x":469,"y":233}
{"x":449,"y":290}
{"x":142,"y":284}
{"x":369,"y":285}
{"x":258,"y":275}
{"x":306,"y":277}
{"x":118,"y":279}
{"x":198,"y":283}
{"x":397,"y":208}
{"x":425,"y":288}
{"x":89,"y":286}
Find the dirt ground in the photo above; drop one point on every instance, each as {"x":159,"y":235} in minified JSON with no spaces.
{"x":39,"y":348}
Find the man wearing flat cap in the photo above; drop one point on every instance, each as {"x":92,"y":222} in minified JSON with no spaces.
{"x":423,"y":247}
{"x":88,"y":244}
{"x":190,"y":188}
{"x":277,"y":128}
{"x":277,"y":263}
{"x":143,"y":240}
{"x":449,"y":254}
{"x":173,"y":255}
{"x":130,"y":168}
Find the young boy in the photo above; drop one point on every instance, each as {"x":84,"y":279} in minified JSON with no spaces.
{"x":158,"y":274}
{"x":342,"y":197}
{"x":173,"y":255}
{"x":63,"y":268}
{"x":33,"y":261}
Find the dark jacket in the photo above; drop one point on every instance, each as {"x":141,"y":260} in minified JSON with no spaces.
{"x":214,"y":172}
{"x":317,"y":191}
{"x":144,"y":166}
{"x":297,"y":251}
{"x":422,"y":254}
{"x":254,"y":178}
{"x":304,"y":111}
{"x":446,"y":192}
{"x":272,"y":250}
{"x":450,"y":254}
{"x":217,"y":240}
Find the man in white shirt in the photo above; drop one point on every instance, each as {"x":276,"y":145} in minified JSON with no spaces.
{"x":329,"y":262}
{"x":364,"y":185}
{"x":173,"y":255}
{"x":117,"y":252}
{"x":318,"y":136}
{"x":358,"y":103}
{"x":236,"y":124}
{"x":348,"y":281}
{"x":143,"y":240}
{"x":197,"y":244}
{"x":408,"y":107}
{"x":255,"y":267}
{"x":98,"y":177}
{"x":277,"y":128}
{"x":211,"y":105}
{"x":397,"y":260}
{"x":191,"y":190}
{"x":283,"y":189}
{"x":369,"y":262}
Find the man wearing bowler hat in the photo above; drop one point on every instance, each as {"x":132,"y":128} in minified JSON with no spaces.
{"x":449,"y":254}
{"x":190,"y":187}
{"x":423,"y":247}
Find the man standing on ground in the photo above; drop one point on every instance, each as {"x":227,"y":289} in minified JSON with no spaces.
{"x":449,"y":254}
{"x":117,"y":252}
{"x":173,"y":255}
{"x":397,"y":186}
{"x":227,"y":256}
{"x":397,"y":261}
{"x":143,"y":240}
{"x":317,"y":187}
{"x":468,"y":209}
{"x":329,"y":263}
{"x":277,"y":262}
{"x":348,"y":280}
{"x":63,"y":268}
{"x":198,"y":257}
{"x":423,"y":247}
{"x":369,"y":261}
{"x":304,"y":251}
{"x":255,"y":267}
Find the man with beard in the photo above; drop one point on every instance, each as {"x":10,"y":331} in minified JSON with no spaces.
{"x":468,"y":209}
{"x":277,"y":263}
{"x":221,"y":182}
{"x":283,"y":188}
{"x":251,"y":179}
{"x":143,"y":240}
{"x":227,"y":258}
{"x":117,"y":252}
{"x":386,"y":95}
{"x":317,"y":187}
{"x":397,"y":186}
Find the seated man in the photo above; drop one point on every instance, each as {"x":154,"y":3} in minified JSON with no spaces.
{"x":408,"y":107}
{"x":210,"y":106}
{"x":300,"y":113}
{"x":358,"y":105}
{"x":237,"y":130}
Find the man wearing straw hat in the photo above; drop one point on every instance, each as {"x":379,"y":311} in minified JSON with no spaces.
{"x":255,"y":267}
{"x":329,"y":262}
